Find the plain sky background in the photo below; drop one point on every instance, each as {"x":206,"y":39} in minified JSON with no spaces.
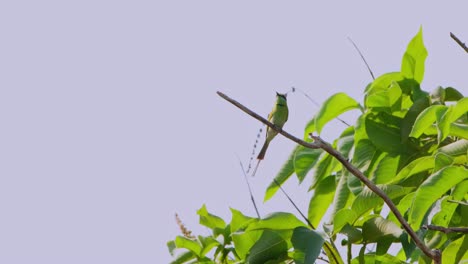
{"x":110,"y":123}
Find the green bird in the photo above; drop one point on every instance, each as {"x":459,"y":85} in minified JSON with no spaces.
{"x":278,"y":116}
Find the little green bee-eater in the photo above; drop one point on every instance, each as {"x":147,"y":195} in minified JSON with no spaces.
{"x":278,"y":116}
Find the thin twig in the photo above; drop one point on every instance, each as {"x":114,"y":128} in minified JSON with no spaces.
{"x":250,"y":189}
{"x":447,"y":230}
{"x":295,"y":206}
{"x":362,"y":57}
{"x":315,"y":103}
{"x":459,"y":42}
{"x":319,"y":143}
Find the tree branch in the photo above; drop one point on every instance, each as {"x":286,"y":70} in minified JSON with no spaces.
{"x":447,"y":230}
{"x":459,"y":42}
{"x":319,"y":143}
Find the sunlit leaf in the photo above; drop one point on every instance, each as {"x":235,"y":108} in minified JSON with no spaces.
{"x":432,"y":189}
{"x":283,"y":175}
{"x":321,"y":199}
{"x":412,"y":66}
{"x":192,"y":245}
{"x":426,"y":118}
{"x":277,"y":221}
{"x":210,"y":220}
{"x":332,"y":108}
{"x":305,"y":160}
{"x":377,"y":228}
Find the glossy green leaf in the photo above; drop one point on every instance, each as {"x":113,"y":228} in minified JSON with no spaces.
{"x":377,"y":228}
{"x":459,"y":130}
{"x":342,"y":193}
{"x":373,"y":258}
{"x":239,"y":221}
{"x":414,"y":167}
{"x":412,"y":66}
{"x":323,"y":168}
{"x":334,"y":106}
{"x":387,"y":98}
{"x":210,"y":220}
{"x":382,"y":83}
{"x":208,"y":243}
{"x":304,"y":160}
{"x":277,"y":221}
{"x":269,"y":247}
{"x":192,"y":245}
{"x":308,"y":242}
{"x":386,"y":169}
{"x":447,"y":209}
{"x":343,"y":217}
{"x":459,"y":109}
{"x":368,"y":200}
{"x":426,"y":118}
{"x":456,"y":148}
{"x":432,"y":189}
{"x":184,"y":257}
{"x":283,"y":175}
{"x":243,"y":241}
{"x":321,"y":199}
{"x":456,"y":251}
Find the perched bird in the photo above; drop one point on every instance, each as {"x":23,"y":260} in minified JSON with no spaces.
{"x":278,"y":116}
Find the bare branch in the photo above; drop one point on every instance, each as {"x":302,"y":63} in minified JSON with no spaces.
{"x":457,"y":40}
{"x":319,"y":143}
{"x":447,"y":230}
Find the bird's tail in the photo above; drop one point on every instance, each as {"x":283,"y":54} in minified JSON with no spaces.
{"x":262,"y":152}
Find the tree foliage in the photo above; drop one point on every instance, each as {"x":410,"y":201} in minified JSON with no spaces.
{"x":411,"y":143}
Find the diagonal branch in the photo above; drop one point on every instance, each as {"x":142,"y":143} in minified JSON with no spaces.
{"x":447,"y":230}
{"x":319,"y":143}
{"x":459,"y":42}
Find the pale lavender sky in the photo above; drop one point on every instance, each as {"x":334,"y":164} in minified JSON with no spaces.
{"x":110,"y":123}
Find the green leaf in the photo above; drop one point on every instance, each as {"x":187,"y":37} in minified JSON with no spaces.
{"x":310,"y":128}
{"x":459,"y":130}
{"x":210,"y":220}
{"x":414,"y":167}
{"x":243,"y":241}
{"x":342,"y":193}
{"x":368,"y":200}
{"x":438,"y":95}
{"x":442,"y":160}
{"x":323,"y":169}
{"x":321,"y":199}
{"x":382,"y":83}
{"x":354,"y":235}
{"x":192,"y":245}
{"x":283,"y":175}
{"x":456,"y":251}
{"x":456,"y":148}
{"x":412,"y":66}
{"x":387,"y":98}
{"x":459,"y":109}
{"x":277,"y":221}
{"x":184,"y":257}
{"x":239,"y":221}
{"x":332,"y":253}
{"x":207,"y":243}
{"x":377,"y":228}
{"x":332,"y":108}
{"x":431,"y":190}
{"x":343,"y":217}
{"x":384,"y":131}
{"x":269,"y":247}
{"x":308,"y":242}
{"x":304,"y":160}
{"x":426,"y":118}
{"x":452,"y":94}
{"x":410,"y":117}
{"x":372,"y":258}
{"x":447,"y":209}
{"x":386,"y":169}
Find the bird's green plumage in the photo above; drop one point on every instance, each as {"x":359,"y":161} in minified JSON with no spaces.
{"x":278,"y":116}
